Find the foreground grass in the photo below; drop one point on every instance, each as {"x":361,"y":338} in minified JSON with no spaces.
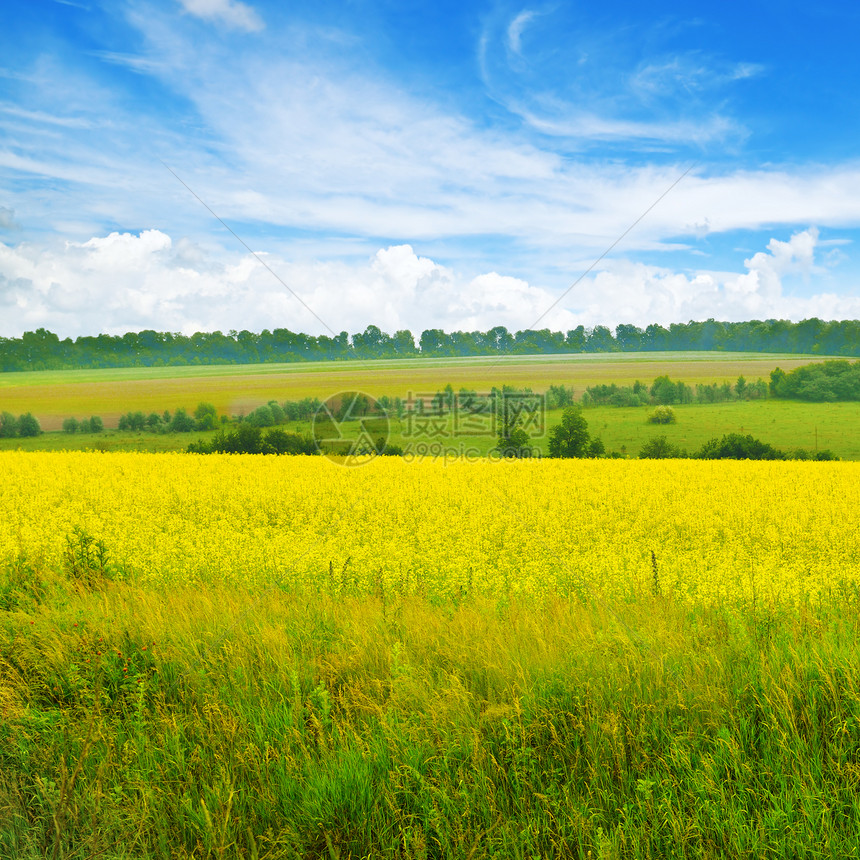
{"x":217,"y":722}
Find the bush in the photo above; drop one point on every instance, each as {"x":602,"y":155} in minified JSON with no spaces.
{"x":663,"y":415}
{"x":206,"y":416}
{"x":181,"y":422}
{"x":261,"y":417}
{"x":804,"y":454}
{"x":281,"y":442}
{"x":737,"y":447}
{"x":659,"y":448}
{"x":559,"y":397}
{"x":387,"y":449}
{"x":596,"y":448}
{"x":134,"y":421}
{"x":247,"y":439}
{"x":278,"y":414}
{"x":71,"y":425}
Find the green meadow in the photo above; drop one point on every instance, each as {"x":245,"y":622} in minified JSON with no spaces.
{"x":237,"y":389}
{"x":55,"y":395}
{"x":220,"y":723}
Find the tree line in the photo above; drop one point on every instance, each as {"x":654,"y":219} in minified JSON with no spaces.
{"x":44,"y":350}
{"x":826,"y":381}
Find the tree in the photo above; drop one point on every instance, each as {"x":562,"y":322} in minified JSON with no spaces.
{"x":28,"y":425}
{"x":515,"y":443}
{"x":513,"y":439}
{"x":8,"y":425}
{"x":659,"y":448}
{"x":205,"y":416}
{"x":280,"y":442}
{"x":570,"y":438}
{"x":559,"y":396}
{"x":182,"y":422}
{"x":596,"y":448}
{"x":734,"y":446}
{"x":278,"y":414}
{"x":71,"y":425}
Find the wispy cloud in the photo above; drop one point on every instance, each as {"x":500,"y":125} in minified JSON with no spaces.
{"x":45,"y":117}
{"x":516,"y":28}
{"x":593,"y":88}
{"x":74,"y":5}
{"x":232,"y":13}
{"x":137,"y":63}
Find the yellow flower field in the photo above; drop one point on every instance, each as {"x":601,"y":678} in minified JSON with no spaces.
{"x":773,"y":532}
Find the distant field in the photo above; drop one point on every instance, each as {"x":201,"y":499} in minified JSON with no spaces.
{"x":235,"y":389}
{"x":784,"y":424}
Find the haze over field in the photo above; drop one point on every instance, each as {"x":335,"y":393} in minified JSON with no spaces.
{"x":440,"y":165}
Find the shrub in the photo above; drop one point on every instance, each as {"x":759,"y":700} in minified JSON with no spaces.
{"x":206,"y":416}
{"x":659,"y":448}
{"x":662,"y":415}
{"x":71,"y":425}
{"x":181,"y":422}
{"x":261,"y":417}
{"x":737,"y":447}
{"x":278,"y":414}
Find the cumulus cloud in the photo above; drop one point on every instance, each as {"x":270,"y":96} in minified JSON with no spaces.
{"x":125,"y":282}
{"x":233,"y":13}
{"x":634,"y":292}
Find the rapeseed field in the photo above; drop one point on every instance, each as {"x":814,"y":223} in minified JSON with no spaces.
{"x":780,"y":533}
{"x":282,"y":657}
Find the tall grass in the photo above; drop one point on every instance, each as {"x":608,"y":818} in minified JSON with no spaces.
{"x":218,"y":722}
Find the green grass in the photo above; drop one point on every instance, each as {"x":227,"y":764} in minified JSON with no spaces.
{"x":219,"y":723}
{"x":785,"y":424}
{"x":55,"y":395}
{"x":109,"y":440}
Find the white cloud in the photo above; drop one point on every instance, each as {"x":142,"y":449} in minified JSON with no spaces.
{"x":634,"y":292}
{"x":124,"y":282}
{"x":515,"y":30}
{"x":233,"y":13}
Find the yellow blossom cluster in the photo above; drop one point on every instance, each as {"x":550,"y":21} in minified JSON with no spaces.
{"x":777,"y":532}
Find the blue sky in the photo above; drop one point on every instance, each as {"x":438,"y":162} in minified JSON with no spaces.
{"x":417,"y":165}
